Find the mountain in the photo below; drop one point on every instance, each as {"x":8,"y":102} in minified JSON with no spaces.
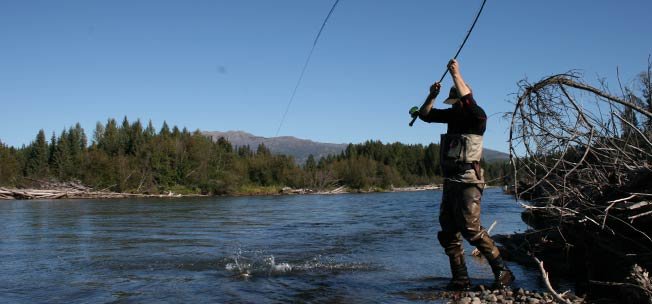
{"x":300,"y":149}
{"x":493,"y":155}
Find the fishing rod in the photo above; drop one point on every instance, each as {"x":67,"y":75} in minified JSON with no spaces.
{"x":414,"y":111}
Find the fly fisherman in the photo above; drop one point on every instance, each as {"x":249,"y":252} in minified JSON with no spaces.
{"x":461,"y":150}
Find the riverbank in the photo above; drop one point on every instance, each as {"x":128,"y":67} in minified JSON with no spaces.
{"x":27,"y":194}
{"x":81,"y":192}
{"x":482,"y":295}
{"x":88,"y":193}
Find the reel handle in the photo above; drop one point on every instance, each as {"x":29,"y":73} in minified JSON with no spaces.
{"x":414,"y":112}
{"x":413,"y":120}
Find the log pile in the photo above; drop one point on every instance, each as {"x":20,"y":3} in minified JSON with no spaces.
{"x":25,"y":194}
{"x":580,"y":154}
{"x":289,"y":190}
{"x":70,"y":190}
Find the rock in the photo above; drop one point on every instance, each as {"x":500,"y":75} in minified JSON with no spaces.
{"x":533,"y":301}
{"x":471,"y":294}
{"x":482,"y":288}
{"x":520,"y":291}
{"x":500,"y":297}
{"x":465,"y":300}
{"x":491,"y":298}
{"x":476,"y":300}
{"x":509,"y":293}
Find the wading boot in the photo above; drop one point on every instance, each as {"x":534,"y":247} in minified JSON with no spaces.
{"x":460,"y":280}
{"x":503,"y":276}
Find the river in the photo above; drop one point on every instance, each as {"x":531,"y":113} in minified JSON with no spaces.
{"x":349,"y":248}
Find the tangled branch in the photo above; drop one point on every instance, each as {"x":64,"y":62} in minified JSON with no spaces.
{"x":584,"y":156}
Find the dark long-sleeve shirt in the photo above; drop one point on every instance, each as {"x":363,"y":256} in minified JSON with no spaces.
{"x":465,"y":117}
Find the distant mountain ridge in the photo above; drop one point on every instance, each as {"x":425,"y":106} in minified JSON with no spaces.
{"x":300,"y":149}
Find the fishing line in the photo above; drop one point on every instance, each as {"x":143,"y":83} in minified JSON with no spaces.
{"x":460,"y":48}
{"x":305,"y":65}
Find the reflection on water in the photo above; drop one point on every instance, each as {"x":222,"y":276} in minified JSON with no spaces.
{"x":356,"y":248}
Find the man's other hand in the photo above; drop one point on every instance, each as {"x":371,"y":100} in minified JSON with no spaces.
{"x":434,"y":89}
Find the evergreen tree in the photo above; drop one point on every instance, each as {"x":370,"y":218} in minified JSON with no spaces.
{"x":37,"y":160}
{"x":224,"y":145}
{"x":310,"y":165}
{"x":136,"y":137}
{"x":262,"y":150}
{"x":9,"y":166}
{"x":165,"y":130}
{"x":110,"y":140}
{"x":98,"y":134}
{"x":62,"y":160}
{"x":150,"y":132}
{"x":52,"y":147}
{"x":77,"y":144}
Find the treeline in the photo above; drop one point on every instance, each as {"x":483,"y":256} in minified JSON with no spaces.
{"x":130,"y":157}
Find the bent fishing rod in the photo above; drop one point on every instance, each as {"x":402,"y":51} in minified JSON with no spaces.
{"x":414,"y":111}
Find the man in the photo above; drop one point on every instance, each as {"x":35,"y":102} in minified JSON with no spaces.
{"x":461,"y":150}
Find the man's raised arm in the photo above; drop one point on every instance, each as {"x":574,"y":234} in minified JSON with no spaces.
{"x":461,"y":86}
{"x":430,"y":100}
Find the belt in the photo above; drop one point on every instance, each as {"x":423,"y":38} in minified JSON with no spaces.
{"x":464,"y":166}
{"x":450,"y":169}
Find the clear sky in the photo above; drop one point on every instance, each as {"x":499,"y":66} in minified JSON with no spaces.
{"x":232,"y":65}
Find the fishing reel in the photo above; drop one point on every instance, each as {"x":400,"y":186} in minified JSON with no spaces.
{"x":414,"y":112}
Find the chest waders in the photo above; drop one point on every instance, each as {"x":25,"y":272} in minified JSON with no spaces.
{"x":459,"y":214}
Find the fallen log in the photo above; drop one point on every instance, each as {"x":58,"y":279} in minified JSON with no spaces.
{"x":26,"y":194}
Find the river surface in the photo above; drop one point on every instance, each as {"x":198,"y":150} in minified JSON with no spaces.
{"x":350,"y":248}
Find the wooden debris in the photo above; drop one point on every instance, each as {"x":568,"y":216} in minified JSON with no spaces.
{"x":546,"y":280}
{"x":24,"y":194}
{"x":585,"y":163}
{"x":288,"y":190}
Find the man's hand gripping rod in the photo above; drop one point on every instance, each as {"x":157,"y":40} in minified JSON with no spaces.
{"x":415,"y":114}
{"x":414,"y":111}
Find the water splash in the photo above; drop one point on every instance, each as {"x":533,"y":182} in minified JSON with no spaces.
{"x":246,"y":264}
{"x":242,"y":268}
{"x":277,"y":268}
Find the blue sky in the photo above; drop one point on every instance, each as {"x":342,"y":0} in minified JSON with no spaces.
{"x":232,"y":65}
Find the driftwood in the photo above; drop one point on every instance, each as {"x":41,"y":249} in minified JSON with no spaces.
{"x":23,"y":194}
{"x":582,"y":157}
{"x":546,"y":280}
{"x":338,"y":190}
{"x":288,"y":190}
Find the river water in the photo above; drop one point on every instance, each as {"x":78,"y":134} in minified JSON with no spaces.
{"x":350,"y":248}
